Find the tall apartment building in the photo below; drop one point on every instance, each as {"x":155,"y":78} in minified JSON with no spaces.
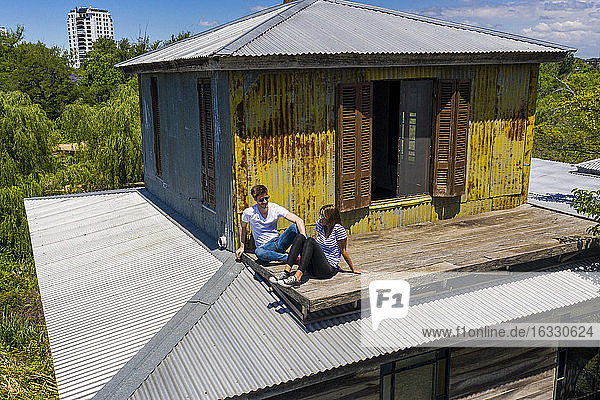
{"x":86,"y":25}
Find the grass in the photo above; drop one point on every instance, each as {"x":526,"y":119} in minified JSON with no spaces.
{"x":26,"y":369}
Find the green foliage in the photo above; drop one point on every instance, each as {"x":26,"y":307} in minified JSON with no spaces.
{"x":111,"y":132}
{"x":41,"y":106}
{"x":100,"y":77}
{"x":78,"y":123}
{"x":40,"y":72}
{"x":8,"y":41}
{"x":27,"y":137}
{"x":568,"y":112}
{"x":99,"y":74}
{"x":176,"y":38}
{"x":115,"y":155}
{"x":142,"y":45}
{"x":26,"y":370}
{"x":588,"y":202}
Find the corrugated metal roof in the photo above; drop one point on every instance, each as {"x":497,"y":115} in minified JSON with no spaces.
{"x":248,"y":340}
{"x":551,"y":183}
{"x":112,"y":271}
{"x":341,"y":27}
{"x":589,"y":167}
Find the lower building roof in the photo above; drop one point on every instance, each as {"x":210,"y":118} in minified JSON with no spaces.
{"x":591,"y":167}
{"x":137,"y":307}
{"x":112,"y":269}
{"x":551,"y":184}
{"x":248,"y":340}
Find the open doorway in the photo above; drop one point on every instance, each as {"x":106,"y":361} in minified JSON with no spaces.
{"x":401,"y":142}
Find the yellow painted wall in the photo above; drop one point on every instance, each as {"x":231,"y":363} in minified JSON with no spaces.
{"x":284,"y":125}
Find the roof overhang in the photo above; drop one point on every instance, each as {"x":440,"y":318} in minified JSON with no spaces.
{"x":320,"y":61}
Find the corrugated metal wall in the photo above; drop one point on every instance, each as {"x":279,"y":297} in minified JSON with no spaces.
{"x":284,"y":134}
{"x":180,"y":184}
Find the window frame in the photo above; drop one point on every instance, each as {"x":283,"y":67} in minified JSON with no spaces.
{"x":457,"y":154}
{"x":438,"y":355}
{"x":432,"y":137}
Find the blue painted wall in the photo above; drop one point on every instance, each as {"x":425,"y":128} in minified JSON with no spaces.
{"x":180,"y":185}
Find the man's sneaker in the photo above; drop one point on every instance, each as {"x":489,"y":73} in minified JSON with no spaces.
{"x":279,"y":276}
{"x":289,"y":282}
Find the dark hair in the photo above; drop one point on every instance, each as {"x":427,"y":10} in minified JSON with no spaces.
{"x":332,"y":216}
{"x":258,"y":190}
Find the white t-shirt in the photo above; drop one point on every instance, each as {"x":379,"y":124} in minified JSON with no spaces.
{"x":264,"y":229}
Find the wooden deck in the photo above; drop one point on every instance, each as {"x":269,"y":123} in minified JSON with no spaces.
{"x":484,"y":242}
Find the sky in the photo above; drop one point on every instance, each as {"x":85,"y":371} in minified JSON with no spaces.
{"x":575,"y":23}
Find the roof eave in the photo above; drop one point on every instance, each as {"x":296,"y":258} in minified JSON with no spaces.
{"x":352,"y":60}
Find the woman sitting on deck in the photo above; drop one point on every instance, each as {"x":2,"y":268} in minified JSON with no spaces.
{"x":319,"y":257}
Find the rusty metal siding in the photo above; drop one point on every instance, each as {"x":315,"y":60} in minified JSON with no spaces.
{"x":284,"y":126}
{"x":180,"y":184}
{"x":284,"y":137}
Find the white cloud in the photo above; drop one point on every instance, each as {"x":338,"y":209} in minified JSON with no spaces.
{"x":258,"y":8}
{"x":573,"y":23}
{"x":595,"y":14}
{"x":206,"y":23}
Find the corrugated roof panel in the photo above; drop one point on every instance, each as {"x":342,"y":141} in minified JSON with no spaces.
{"x":112,"y":271}
{"x":341,"y":27}
{"x":551,"y":183}
{"x":367,"y":30}
{"x":589,"y":167}
{"x":207,"y":43}
{"x":248,"y":341}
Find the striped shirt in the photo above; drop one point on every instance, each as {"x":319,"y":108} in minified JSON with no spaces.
{"x":330,"y":245}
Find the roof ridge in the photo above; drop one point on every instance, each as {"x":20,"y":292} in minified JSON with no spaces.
{"x":458,"y":25}
{"x":124,"y":383}
{"x":263,"y":27}
{"x":213,"y":29}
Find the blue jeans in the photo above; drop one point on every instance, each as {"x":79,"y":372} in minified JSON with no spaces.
{"x":274,"y":249}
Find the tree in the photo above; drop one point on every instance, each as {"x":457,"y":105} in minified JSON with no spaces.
{"x":99,"y":73}
{"x":117,"y":152}
{"x":27,"y":137}
{"x":100,"y":77}
{"x":142,"y":45}
{"x":588,"y":202}
{"x":40,"y":72}
{"x":112,"y":156}
{"x":43,"y":73}
{"x":568,"y":112}
{"x":8,"y":42}
{"x":176,"y":38}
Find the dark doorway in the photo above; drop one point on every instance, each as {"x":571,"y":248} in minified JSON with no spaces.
{"x":402,"y":112}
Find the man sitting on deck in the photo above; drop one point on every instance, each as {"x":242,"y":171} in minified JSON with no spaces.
{"x":263,"y":217}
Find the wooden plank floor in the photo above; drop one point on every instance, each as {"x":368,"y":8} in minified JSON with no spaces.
{"x":484,"y":242}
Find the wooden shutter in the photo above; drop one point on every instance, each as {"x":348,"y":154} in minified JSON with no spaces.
{"x":463,"y":101}
{"x":354,"y":146}
{"x":452,"y":128}
{"x":156,"y":125}
{"x":207,"y":143}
